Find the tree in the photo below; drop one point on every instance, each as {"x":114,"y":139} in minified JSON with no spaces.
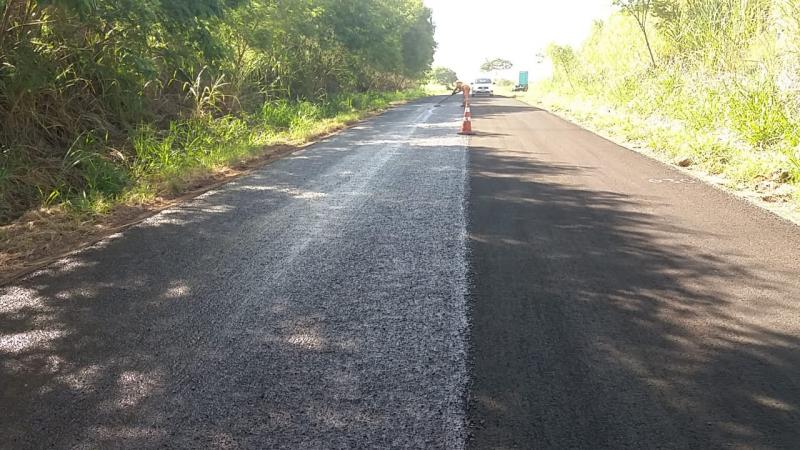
{"x":491,"y":65}
{"x":639,"y":10}
{"x":418,"y":44}
{"x":444,"y":76}
{"x":563,"y":58}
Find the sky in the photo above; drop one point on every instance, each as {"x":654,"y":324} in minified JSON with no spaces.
{"x":469,"y":32}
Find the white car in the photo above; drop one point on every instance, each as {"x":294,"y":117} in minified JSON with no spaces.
{"x":483,"y":86}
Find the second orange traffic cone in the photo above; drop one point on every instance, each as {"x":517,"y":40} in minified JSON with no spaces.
{"x":466,"y":124}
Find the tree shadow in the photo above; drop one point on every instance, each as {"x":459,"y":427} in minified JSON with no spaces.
{"x":484,"y":107}
{"x":597,"y":324}
{"x":120,"y":343}
{"x":251,"y":316}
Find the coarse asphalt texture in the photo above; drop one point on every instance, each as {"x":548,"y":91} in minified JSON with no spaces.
{"x":318,"y":303}
{"x":323,"y":302}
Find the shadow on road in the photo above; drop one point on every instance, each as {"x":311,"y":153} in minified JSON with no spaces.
{"x":124,"y":344}
{"x":485,"y":107}
{"x":198,"y":327}
{"x":596,"y":326}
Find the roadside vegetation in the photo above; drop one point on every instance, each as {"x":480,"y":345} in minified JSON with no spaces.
{"x":713,"y":84}
{"x":443,"y":76}
{"x":109,"y":108}
{"x":104,"y":101}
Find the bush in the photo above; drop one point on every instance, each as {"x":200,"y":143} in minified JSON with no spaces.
{"x":151,"y":83}
{"x":758,"y":113}
{"x":718,"y":93}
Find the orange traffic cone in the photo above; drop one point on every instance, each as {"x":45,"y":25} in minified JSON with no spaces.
{"x":466,"y":124}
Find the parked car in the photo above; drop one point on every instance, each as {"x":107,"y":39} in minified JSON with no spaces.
{"x":483,"y":86}
{"x":520,"y":88}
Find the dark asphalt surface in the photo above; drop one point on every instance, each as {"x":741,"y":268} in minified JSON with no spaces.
{"x":616,"y":303}
{"x":318,"y":303}
{"x":323,"y":302}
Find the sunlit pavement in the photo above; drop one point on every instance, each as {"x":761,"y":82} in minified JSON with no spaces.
{"x":401,"y":286}
{"x":319,"y":303}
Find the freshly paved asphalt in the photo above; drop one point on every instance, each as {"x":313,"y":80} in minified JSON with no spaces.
{"x":323,"y":302}
{"x":614,"y":308}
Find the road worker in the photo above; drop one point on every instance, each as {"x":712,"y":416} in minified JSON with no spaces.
{"x":459,"y":87}
{"x":463,"y":88}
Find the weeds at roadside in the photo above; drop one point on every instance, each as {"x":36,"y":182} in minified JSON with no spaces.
{"x":97,"y":181}
{"x":94,"y":177}
{"x":722,"y":97}
{"x":743,"y":165}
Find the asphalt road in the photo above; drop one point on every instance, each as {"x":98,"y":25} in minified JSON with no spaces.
{"x":617,"y":303}
{"x":324,"y":302}
{"x":318,"y":303}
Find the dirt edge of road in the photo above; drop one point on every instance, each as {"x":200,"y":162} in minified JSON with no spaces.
{"x":43,"y":239}
{"x":783,"y":210}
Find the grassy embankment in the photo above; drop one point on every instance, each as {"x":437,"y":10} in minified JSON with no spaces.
{"x":188,"y":155}
{"x":108,"y":111}
{"x":165,"y":162}
{"x":723,"y":97}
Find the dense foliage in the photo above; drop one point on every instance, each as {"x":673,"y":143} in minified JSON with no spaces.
{"x":81,"y":80}
{"x":444,"y":76}
{"x":713,"y":80}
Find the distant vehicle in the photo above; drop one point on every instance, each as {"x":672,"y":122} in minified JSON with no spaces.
{"x":483,"y":86}
{"x":522,"y":86}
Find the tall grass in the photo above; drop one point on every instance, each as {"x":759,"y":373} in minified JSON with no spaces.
{"x":93,"y":176}
{"x":98,"y":95}
{"x":167,"y":160}
{"x":724,"y":93}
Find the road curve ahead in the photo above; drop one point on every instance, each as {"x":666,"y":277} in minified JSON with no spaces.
{"x":617,"y":303}
{"x":318,"y":303}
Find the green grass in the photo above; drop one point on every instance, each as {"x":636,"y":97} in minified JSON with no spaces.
{"x":715,"y":97}
{"x":438,"y":89}
{"x":193,"y":147}
{"x":94,"y":177}
{"x":742,"y":163}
